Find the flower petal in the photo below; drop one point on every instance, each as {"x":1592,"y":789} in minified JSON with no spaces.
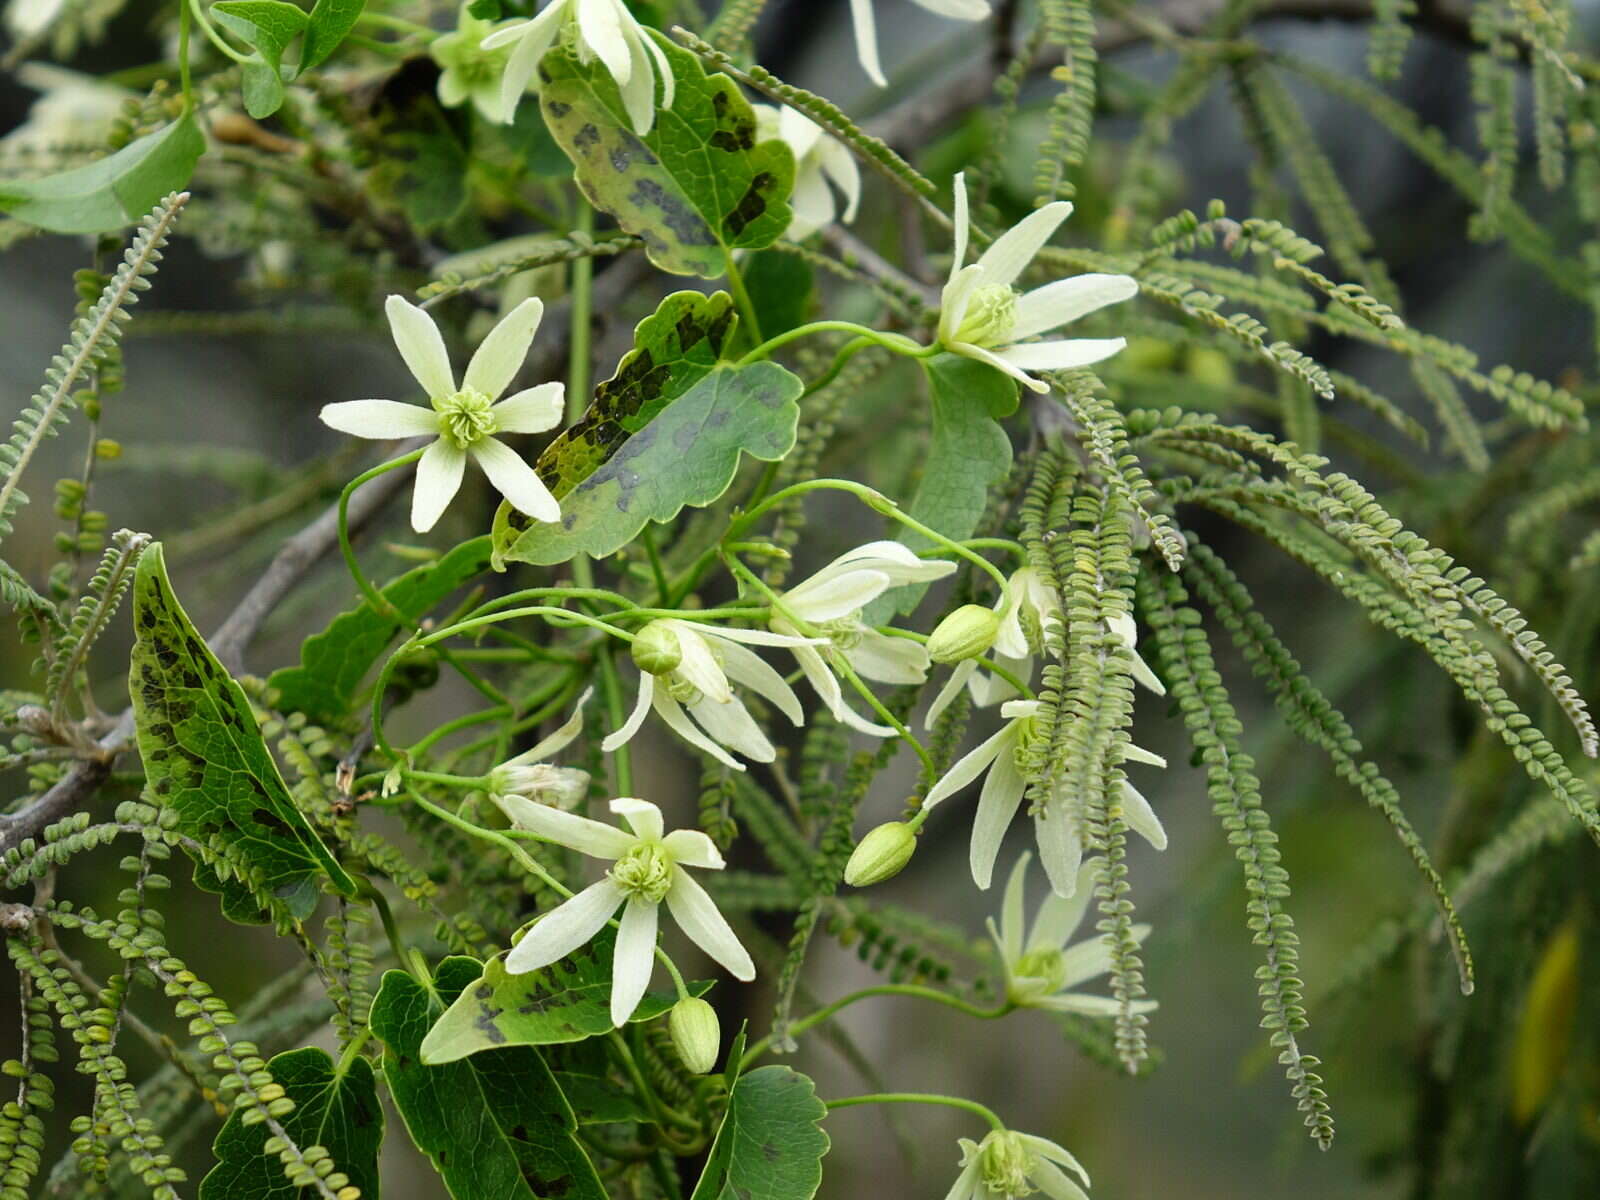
{"x":990,"y":358}
{"x":1053,"y":1182}
{"x":697,"y":664}
{"x":1011,"y":918}
{"x":1091,"y":958}
{"x":951,"y":689}
{"x":1088,"y":1005}
{"x":639,"y":90}
{"x":966,"y":1184}
{"x":1132,"y":753}
{"x":812,"y":203}
{"x":564,"y":928}
{"x":691,"y":848}
{"x":641,"y":706}
{"x":961,"y":221}
{"x":750,"y":670}
{"x":1141,"y":818}
{"x":888,"y":659}
{"x":501,"y":354}
{"x":439,"y":472}
{"x":954,"y":299}
{"x":697,"y":915}
{"x":1064,"y":301}
{"x":557,"y":741}
{"x":961,"y":10}
{"x":678,"y":721}
{"x":1059,"y":915}
{"x":1056,"y":1153}
{"x":421,"y":345}
{"x":586,"y":836}
{"x":663,"y":69}
{"x":733,"y":726}
{"x":1010,"y":253}
{"x":970,"y":765}
{"x":383,"y":419}
{"x":839,"y":165}
{"x":516,"y":480}
{"x":826,"y":685}
{"x":997,"y":805}
{"x":867,"y":40}
{"x":600,"y":26}
{"x":834,"y":597}
{"x":634,"y":958}
{"x":642,"y":817}
{"x":1061,"y":356}
{"x":1060,"y":847}
{"x":532,"y":410}
{"x":536,"y":38}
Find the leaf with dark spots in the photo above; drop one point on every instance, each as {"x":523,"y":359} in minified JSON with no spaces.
{"x":496,"y":1126}
{"x":205,"y":760}
{"x":697,"y":186}
{"x":770,"y":1146}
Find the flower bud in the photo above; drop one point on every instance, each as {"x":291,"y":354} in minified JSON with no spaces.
{"x":881,"y":855}
{"x":965,"y":633}
{"x":696,"y":1035}
{"x":656,"y":650}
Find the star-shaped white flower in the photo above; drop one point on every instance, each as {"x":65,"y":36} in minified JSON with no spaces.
{"x":466,"y":70}
{"x":528,"y":779}
{"x":605,"y":30}
{"x":464,"y":418}
{"x":822,"y":163}
{"x":647,"y":869}
{"x":1003,"y":756}
{"x":983,"y":316}
{"x":867,"y":27}
{"x":1008,"y":1166}
{"x":709,"y":659}
{"x":831,"y":602}
{"x":1040,"y":966}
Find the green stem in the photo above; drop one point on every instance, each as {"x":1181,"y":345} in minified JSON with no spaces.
{"x":747,"y":310}
{"x":896,"y":342}
{"x":213,"y":36}
{"x":971,"y":1106}
{"x":369,"y":892}
{"x":621,"y":760}
{"x":352,"y":1052}
{"x":185,"y":20}
{"x":657,"y":567}
{"x":884,"y":989}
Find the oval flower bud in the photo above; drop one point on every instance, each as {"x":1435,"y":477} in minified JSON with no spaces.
{"x":696,"y":1034}
{"x":881,"y":855}
{"x":656,"y":649}
{"x":965,"y":633}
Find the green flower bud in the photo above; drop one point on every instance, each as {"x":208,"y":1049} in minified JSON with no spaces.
{"x":656,"y":649}
{"x":881,"y":855}
{"x":696,"y":1035}
{"x":965,"y":633}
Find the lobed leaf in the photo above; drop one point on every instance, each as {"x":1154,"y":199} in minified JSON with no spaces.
{"x":770,"y":1145}
{"x":267,"y":27}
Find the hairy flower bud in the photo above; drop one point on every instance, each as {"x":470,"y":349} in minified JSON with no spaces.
{"x":696,"y":1034}
{"x":881,"y":855}
{"x":656,"y":649}
{"x":965,"y":633}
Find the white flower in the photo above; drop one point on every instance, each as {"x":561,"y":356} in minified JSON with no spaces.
{"x":25,"y":18}
{"x":867,"y":30}
{"x":1026,"y":605}
{"x":1127,"y":632}
{"x":527,"y":779}
{"x":467,"y":70}
{"x":1039,"y":964}
{"x":73,"y":110}
{"x":820,"y":160}
{"x":831,"y":602}
{"x":605,"y":30}
{"x":982,"y":316}
{"x":1060,"y":844}
{"x":708,"y":658}
{"x":1008,"y":1166}
{"x":647,"y":868}
{"x":462,"y":419}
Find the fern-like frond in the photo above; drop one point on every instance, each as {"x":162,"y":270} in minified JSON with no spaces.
{"x":99,"y":603}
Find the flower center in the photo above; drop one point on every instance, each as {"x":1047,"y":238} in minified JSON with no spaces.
{"x":1027,"y":734}
{"x":465,"y":418}
{"x":681,"y":690}
{"x":1045,"y":965}
{"x":990,"y":316}
{"x":645,"y":872}
{"x":844,"y":632}
{"x":1004,"y":1164}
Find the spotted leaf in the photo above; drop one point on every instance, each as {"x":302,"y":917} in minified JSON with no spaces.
{"x":770,"y":1146}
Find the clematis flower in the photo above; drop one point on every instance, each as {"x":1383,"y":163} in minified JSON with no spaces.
{"x":1008,"y":1165}
{"x":1039,"y":964}
{"x":647,"y":869}
{"x":831,"y":602}
{"x":867,"y":28}
{"x":688,"y":665}
{"x":467,"y":70}
{"x":983,"y":316}
{"x":1003,"y":756}
{"x":820,"y":160}
{"x":464,"y":418}
{"x":605,"y":30}
{"x":528,"y":779}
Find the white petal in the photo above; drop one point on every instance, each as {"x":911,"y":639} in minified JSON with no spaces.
{"x":1055,"y":1152}
{"x":1061,"y":356}
{"x":439,"y":472}
{"x":532,"y":410}
{"x":812,"y":203}
{"x":672,"y":713}
{"x":642,"y":817}
{"x":1011,"y":920}
{"x":988,"y":688}
{"x":633,"y":960}
{"x":452,"y":89}
{"x":501,"y":354}
{"x":1132,"y":753}
{"x":697,"y":664}
{"x":639,"y":90}
{"x":733,"y":726}
{"x":961,"y":10}
{"x":565,"y":928}
{"x":886,"y":659}
{"x":1087,"y":1005}
{"x":600,"y":26}
{"x":1141,"y":818}
{"x":1059,"y":303}
{"x":990,"y":358}
{"x":829,"y":598}
{"x":383,"y":419}
{"x":641,"y":706}
{"x":1012,"y":709}
{"x":537,"y":36}
{"x":748,"y":669}
{"x":586,"y":836}
{"x":560,"y":739}
{"x":1091,"y":958}
{"x":902,"y":564}
{"x":1009,"y":640}
{"x":951,"y":689}
{"x":966,"y":1184}
{"x":1060,"y":848}
{"x":692,"y":848}
{"x":962,"y":222}
{"x":997,"y":805}
{"x":832,"y":695}
{"x":1059,"y":915}
{"x":698,"y":917}
{"x":1053,"y":1182}
{"x":757,"y":637}
{"x":867,"y":40}
{"x":954,"y":299}
{"x":421,"y":345}
{"x":516,"y":480}
{"x":968,"y":767}
{"x":1010,"y":253}
{"x":799,"y":131}
{"x":839,"y":165}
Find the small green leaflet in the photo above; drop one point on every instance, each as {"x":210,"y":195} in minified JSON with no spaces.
{"x":697,"y":186}
{"x":495,"y":1125}
{"x":339,"y":1113}
{"x":565,"y":1002}
{"x":113,"y":191}
{"x":267,"y":27}
{"x":334,"y":662}
{"x":770,"y":1146}
{"x":204,"y":759}
{"x":330,"y":21}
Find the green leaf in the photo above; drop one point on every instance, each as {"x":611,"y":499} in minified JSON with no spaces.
{"x":334,"y":662}
{"x":597,"y":1101}
{"x":418,"y":148}
{"x":340,"y":1113}
{"x":267,"y":27}
{"x":331,"y":20}
{"x":770,"y":1146}
{"x":204,"y":759}
{"x":496,"y":1125}
{"x":780,"y":287}
{"x":113,"y":191}
{"x":696,"y":186}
